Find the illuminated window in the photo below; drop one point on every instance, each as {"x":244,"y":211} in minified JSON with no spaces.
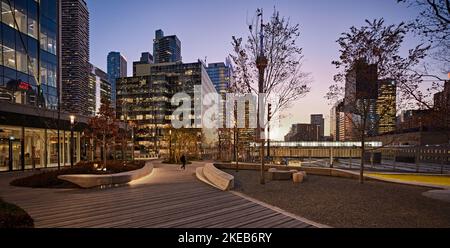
{"x":48,"y":41}
{"x":7,"y":16}
{"x":32,"y":27}
{"x":9,"y":57}
{"x":21,"y":61}
{"x":21,"y":19}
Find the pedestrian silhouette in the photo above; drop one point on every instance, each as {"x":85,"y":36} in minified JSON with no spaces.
{"x":183,"y":160}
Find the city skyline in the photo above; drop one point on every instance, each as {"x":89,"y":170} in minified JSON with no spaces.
{"x":321,"y":23}
{"x":165,"y":114}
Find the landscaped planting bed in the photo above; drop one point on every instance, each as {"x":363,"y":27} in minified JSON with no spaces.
{"x":49,"y":179}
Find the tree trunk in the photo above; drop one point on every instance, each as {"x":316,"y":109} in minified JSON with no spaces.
{"x":92,"y":149}
{"x":363,"y":151}
{"x":104,"y":151}
{"x":114,"y":150}
{"x":123,"y":145}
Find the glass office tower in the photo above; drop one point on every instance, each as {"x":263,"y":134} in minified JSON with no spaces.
{"x":145,"y":100}
{"x":28,"y":53}
{"x":117,"y":68}
{"x":166,"y":49}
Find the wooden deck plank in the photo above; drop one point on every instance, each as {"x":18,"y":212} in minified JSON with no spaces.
{"x":199,"y":220}
{"x":183,"y":215}
{"x":135,"y":210}
{"x":168,"y":198}
{"x":150,"y":214}
{"x":100,"y":205}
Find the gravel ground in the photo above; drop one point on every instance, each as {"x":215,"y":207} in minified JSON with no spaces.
{"x":341,"y":202}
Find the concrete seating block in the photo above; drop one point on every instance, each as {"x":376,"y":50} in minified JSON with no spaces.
{"x":297,"y":177}
{"x":280,"y":175}
{"x":220,"y":179}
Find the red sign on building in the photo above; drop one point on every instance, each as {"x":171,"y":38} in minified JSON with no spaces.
{"x":24,"y":86}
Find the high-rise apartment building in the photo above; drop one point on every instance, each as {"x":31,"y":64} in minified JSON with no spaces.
{"x":116,"y":68}
{"x":166,"y":48}
{"x":99,"y":89}
{"x":75,"y":56}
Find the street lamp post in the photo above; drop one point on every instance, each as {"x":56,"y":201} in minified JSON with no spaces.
{"x":261,"y":63}
{"x":170,"y":145}
{"x":132,"y":142}
{"x":72,"y":122}
{"x":10,"y":153}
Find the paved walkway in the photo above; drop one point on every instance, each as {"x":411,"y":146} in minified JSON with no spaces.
{"x":167,"y":198}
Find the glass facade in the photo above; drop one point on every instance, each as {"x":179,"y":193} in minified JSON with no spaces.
{"x":117,"y":68}
{"x":220,"y":74}
{"x":166,"y":49}
{"x":33,"y":148}
{"x":99,"y":89}
{"x":146,"y":100}
{"x":28,"y":53}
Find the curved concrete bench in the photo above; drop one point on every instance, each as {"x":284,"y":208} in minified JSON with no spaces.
{"x":90,"y":181}
{"x":215,"y":177}
{"x":275,"y":174}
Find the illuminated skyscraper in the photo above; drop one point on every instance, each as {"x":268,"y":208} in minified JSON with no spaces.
{"x":386,"y":106}
{"x":75,"y":56}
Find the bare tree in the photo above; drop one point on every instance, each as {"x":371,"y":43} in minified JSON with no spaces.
{"x":284,"y":81}
{"x":378,"y":45}
{"x":433,"y":23}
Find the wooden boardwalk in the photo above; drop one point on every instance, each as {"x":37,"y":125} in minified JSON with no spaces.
{"x":167,"y":198}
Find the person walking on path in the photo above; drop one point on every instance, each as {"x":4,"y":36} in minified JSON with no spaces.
{"x":183,"y":160}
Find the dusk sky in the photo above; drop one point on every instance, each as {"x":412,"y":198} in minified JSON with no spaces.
{"x":205,"y":28}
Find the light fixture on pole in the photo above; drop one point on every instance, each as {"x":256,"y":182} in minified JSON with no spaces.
{"x":170,"y":145}
{"x":72,"y":122}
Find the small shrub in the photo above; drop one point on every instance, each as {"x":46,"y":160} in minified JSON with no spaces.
{"x":11,"y":216}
